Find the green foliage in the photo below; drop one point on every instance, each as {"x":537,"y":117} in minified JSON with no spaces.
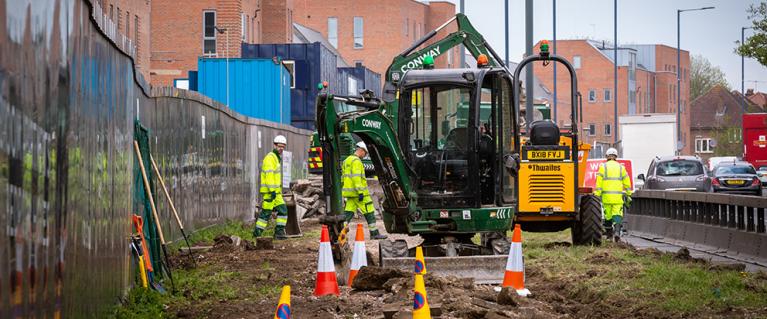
{"x":755,"y":45}
{"x":141,"y":303}
{"x":205,"y":236}
{"x":704,"y":76}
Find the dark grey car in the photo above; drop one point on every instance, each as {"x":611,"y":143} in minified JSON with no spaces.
{"x":736,"y":178}
{"x":677,"y":173}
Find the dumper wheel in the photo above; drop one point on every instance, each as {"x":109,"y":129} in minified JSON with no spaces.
{"x":588,"y":230}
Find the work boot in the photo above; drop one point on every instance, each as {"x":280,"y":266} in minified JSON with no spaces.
{"x":376,"y":235}
{"x":609,"y":230}
{"x":279,"y":234}
{"x":257,"y":232}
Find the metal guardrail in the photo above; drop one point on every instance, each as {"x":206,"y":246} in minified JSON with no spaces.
{"x":745,"y":213}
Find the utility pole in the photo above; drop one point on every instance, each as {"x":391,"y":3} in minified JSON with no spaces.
{"x":743,"y":68}
{"x":529,"y":68}
{"x":554,"y":18}
{"x":679,"y":142}
{"x":615,"y":73}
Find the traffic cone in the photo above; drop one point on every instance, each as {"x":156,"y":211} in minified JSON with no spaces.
{"x":515,"y":267}
{"x":359,"y":257}
{"x":283,"y":306}
{"x":420,"y":263}
{"x":326,"y":272}
{"x":421,"y":308}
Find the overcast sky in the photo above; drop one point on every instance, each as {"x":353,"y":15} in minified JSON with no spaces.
{"x":711,"y":33}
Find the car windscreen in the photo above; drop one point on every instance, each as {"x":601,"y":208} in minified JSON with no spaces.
{"x":730,"y":170}
{"x":679,"y":168}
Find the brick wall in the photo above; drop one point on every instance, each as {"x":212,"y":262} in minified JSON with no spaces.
{"x":278,"y":23}
{"x":389,"y":26}
{"x":131,"y":13}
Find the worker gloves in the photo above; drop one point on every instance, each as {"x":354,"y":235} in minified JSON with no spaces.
{"x":627,"y":200}
{"x":272,"y":196}
{"x":360,"y":197}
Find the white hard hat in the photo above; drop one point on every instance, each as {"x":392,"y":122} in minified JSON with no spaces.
{"x":362,"y":145}
{"x":611,"y":151}
{"x":279,"y":139}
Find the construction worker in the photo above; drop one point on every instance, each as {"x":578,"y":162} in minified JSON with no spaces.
{"x":613,"y":183}
{"x":271,"y":191}
{"x":355,"y":190}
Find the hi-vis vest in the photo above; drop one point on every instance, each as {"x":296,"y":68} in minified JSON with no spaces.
{"x":271,"y":174}
{"x":354,"y":182}
{"x":612,"y":182}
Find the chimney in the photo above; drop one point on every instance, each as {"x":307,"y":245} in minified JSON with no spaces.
{"x":749,"y":92}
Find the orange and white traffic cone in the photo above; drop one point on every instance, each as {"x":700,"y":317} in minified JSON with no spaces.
{"x":421,"y":308}
{"x":420,"y":263}
{"x":359,"y":257}
{"x":326,"y":284}
{"x":515,"y":267}
{"x":283,"y":306}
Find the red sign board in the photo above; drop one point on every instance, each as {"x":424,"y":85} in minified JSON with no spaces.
{"x":592,"y":168}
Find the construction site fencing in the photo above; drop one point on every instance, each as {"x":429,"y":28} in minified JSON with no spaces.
{"x":733,"y":223}
{"x":69,"y":98}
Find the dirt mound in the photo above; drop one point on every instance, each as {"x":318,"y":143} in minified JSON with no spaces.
{"x":375,"y":278}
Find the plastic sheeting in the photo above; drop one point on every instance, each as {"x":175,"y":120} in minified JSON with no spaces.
{"x":68,"y":100}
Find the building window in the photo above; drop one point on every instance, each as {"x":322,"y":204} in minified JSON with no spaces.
{"x":209,"y":33}
{"x":358,"y":28}
{"x":119,"y":18}
{"x":592,"y":95}
{"x":127,"y":24}
{"x":135,"y":32}
{"x":333,"y":32}
{"x":703,"y":145}
{"x":352,"y":86}
{"x":608,"y":130}
{"x":243,"y":27}
{"x":577,"y":61}
{"x":112,"y":12}
{"x":591,"y":130}
{"x":608,"y":95}
{"x":291,"y":66}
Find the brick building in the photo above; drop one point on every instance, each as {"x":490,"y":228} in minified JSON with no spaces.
{"x":646,"y":84}
{"x":211,"y":28}
{"x":716,"y":122}
{"x":372,"y":32}
{"x":132,"y":18}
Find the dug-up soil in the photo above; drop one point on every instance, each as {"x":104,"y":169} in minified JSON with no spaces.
{"x":263,"y":271}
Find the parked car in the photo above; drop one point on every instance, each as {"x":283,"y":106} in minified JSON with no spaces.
{"x":762,"y":173}
{"x":677,"y":173}
{"x":736,"y":178}
{"x":714,"y":161}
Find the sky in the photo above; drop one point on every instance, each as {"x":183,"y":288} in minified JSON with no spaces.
{"x":711,"y":33}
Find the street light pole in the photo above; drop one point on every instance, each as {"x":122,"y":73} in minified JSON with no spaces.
{"x":554,"y":17}
{"x":679,"y":80}
{"x":615,"y":73}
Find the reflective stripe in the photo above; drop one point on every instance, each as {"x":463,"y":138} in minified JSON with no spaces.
{"x":281,"y":221}
{"x":372,"y":226}
{"x":354,"y":175}
{"x":272,"y":170}
{"x":612,"y":192}
{"x":271,"y":185}
{"x":261,"y":223}
{"x":349,"y":190}
{"x":612,"y":179}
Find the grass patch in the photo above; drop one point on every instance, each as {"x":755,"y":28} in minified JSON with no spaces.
{"x":206,"y":235}
{"x":658,"y":282}
{"x":140,"y":304}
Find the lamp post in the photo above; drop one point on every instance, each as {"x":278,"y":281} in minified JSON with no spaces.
{"x":221,"y":31}
{"x":679,"y":80}
{"x":554,"y":43}
{"x":743,"y":68}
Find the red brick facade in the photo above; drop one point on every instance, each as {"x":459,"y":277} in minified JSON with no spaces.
{"x":132,"y":18}
{"x":177,"y":33}
{"x":655,"y":88}
{"x":389,"y":27}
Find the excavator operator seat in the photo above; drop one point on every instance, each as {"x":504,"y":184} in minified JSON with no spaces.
{"x":544,"y":132}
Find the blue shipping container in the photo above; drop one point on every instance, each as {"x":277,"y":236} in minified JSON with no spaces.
{"x":258,"y":88}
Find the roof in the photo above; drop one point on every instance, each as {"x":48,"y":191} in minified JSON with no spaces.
{"x":758,"y":98}
{"x":303,"y":34}
{"x":717,"y":107}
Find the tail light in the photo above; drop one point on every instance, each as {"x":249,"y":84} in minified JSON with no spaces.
{"x":756,"y":182}
{"x":715,"y":182}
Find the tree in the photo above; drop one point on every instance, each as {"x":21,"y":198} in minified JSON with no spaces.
{"x":755,"y":45}
{"x":704,"y":76}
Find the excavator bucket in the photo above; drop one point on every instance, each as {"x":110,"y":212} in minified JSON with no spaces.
{"x":483,"y":269}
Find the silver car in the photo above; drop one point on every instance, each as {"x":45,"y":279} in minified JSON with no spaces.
{"x":762,"y":173}
{"x":677,"y":173}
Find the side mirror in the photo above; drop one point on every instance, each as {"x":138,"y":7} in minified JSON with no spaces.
{"x":641,"y":177}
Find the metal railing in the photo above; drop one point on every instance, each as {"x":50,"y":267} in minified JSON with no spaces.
{"x":744,"y":213}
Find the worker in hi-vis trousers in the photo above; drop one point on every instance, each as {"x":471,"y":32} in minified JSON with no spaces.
{"x":271,"y":191}
{"x":613,"y":184}
{"x":355,"y":190}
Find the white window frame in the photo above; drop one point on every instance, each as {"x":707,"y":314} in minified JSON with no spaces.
{"x":591,"y":130}
{"x":333,"y":37}
{"x":607,"y":95}
{"x":352,"y":86}
{"x":608,"y":130}
{"x":359,"y":39}
{"x":576,"y":62}
{"x":291,"y":66}
{"x":594,"y":99}
{"x":703,"y":145}
{"x":209,"y":38}
{"x":243,"y":27}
